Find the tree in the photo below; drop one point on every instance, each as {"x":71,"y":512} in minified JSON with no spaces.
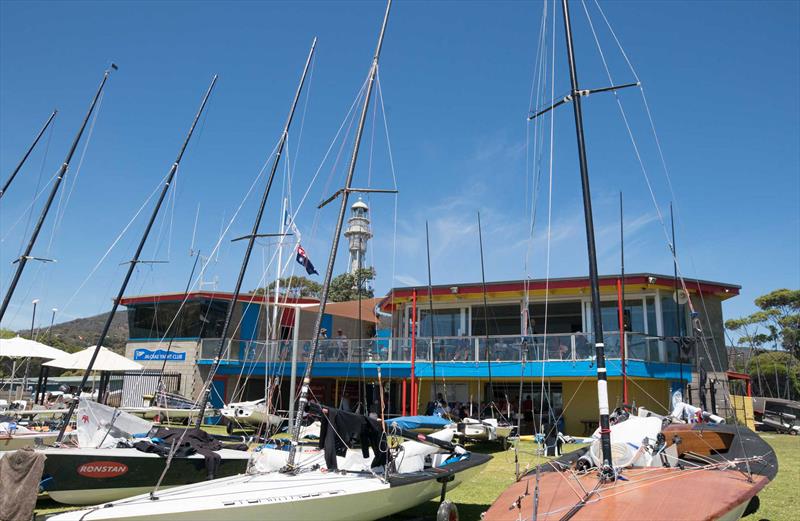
{"x":346,"y":286}
{"x":772,"y":333}
{"x":775,"y":324}
{"x":775,"y":374}
{"x":783,"y":307}
{"x":294,"y":287}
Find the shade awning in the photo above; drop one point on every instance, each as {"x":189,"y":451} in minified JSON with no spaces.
{"x":107,"y":360}
{"x":19,"y":347}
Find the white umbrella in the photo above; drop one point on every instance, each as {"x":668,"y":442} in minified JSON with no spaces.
{"x":19,"y":347}
{"x":107,"y":360}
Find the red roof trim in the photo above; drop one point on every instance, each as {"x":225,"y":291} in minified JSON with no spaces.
{"x":633,"y":280}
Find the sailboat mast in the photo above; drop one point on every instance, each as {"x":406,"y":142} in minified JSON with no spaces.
{"x":251,"y":240}
{"x":431,"y":316}
{"x":597,"y":317}
{"x":486,"y":320}
{"x":678,"y":323}
{"x":622,"y":339}
{"x":62,"y":171}
{"x":28,"y":153}
{"x":303,"y":398}
{"x":135,"y":260}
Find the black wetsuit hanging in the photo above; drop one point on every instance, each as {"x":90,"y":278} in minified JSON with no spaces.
{"x":341,"y":429}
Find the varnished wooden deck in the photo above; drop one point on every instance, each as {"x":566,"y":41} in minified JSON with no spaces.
{"x":650,"y":493}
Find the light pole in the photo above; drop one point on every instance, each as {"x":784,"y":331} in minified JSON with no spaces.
{"x":52,"y":320}
{"x":28,"y":360}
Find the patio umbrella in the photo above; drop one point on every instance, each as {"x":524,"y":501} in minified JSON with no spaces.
{"x":107,"y":360}
{"x":19,"y":347}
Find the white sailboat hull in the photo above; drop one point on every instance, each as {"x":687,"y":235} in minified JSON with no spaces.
{"x":164,"y":413}
{"x":19,"y":441}
{"x":311,"y":495}
{"x":736,"y":513}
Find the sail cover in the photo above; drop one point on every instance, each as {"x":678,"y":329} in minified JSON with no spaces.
{"x":101,"y":426}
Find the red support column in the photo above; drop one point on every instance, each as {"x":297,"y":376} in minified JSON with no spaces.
{"x":621,"y":315}
{"x":403,"y":407}
{"x":414,"y":390}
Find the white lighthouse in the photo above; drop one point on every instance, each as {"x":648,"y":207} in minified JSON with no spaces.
{"x":358,"y":233}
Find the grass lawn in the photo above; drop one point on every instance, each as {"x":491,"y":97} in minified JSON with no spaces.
{"x":780,"y":501}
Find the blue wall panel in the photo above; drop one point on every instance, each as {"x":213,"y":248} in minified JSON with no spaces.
{"x":552,"y":369}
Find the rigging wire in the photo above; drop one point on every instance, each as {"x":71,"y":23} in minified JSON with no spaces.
{"x":59,"y":210}
{"x":696,"y":321}
{"x":646,"y":175}
{"x":549,"y":216}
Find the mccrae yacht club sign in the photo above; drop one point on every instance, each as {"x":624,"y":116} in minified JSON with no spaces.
{"x":159,"y":354}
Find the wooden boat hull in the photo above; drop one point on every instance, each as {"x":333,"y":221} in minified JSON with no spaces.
{"x":311,"y":495}
{"x":649,"y":493}
{"x":653,"y":493}
{"x":91,"y":476}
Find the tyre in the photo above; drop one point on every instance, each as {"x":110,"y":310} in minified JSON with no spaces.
{"x":752,"y":506}
{"x":447,"y":511}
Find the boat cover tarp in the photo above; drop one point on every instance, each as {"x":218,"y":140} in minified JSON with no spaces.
{"x":20,"y":472}
{"x":411,"y":423}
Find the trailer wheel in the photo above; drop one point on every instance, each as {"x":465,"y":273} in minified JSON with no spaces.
{"x":752,"y":506}
{"x":447,"y":511}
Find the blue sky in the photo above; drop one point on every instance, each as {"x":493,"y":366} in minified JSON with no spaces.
{"x":721,"y":79}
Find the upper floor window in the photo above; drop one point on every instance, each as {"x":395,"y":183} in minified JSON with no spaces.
{"x":196,"y":319}
{"x":501,"y":320}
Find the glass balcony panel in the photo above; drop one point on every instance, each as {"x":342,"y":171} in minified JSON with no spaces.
{"x":572,"y":347}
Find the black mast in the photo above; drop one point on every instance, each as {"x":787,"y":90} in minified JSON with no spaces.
{"x":486,"y":320}
{"x":132,"y":264}
{"x":251,"y":239}
{"x":623,"y":340}
{"x":431,"y":316}
{"x":607,"y":471}
{"x":25,"y":157}
{"x":345,"y":192}
{"x":678,"y":321}
{"x":62,"y":171}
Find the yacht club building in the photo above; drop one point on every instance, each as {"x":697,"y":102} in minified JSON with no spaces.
{"x":535,"y":332}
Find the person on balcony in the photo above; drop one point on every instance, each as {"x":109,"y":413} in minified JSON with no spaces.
{"x":342,"y":351}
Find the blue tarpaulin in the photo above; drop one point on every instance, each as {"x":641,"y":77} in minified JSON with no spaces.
{"x":419,"y":422}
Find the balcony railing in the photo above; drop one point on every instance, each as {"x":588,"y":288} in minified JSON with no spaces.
{"x":562,"y":347}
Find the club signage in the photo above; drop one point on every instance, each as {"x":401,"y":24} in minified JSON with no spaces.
{"x":159,"y":355}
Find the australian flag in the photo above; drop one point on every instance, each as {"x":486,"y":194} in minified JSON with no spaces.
{"x":304,"y":261}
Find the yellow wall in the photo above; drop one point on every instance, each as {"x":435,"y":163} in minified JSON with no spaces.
{"x":580,"y":397}
{"x":743,"y":405}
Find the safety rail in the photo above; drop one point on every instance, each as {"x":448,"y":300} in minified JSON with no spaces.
{"x":557,"y":347}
